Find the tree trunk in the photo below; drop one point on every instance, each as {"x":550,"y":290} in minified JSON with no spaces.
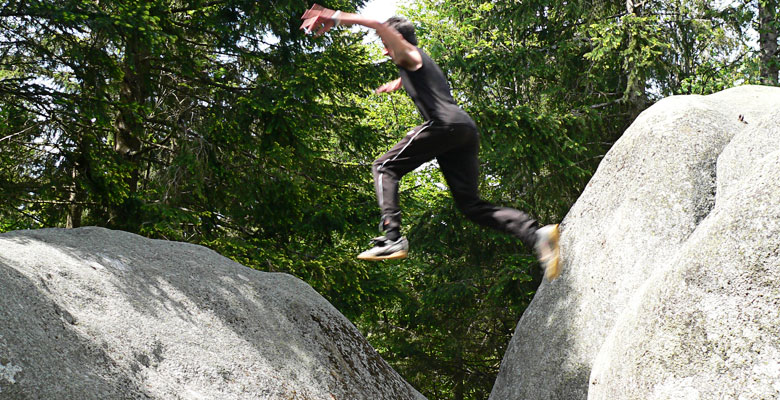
{"x":768,"y":33}
{"x":133,"y":95}
{"x":459,"y":389}
{"x":74,"y":209}
{"x":634,"y":96}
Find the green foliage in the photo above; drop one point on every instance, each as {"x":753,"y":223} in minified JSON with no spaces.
{"x":221,"y":124}
{"x":677,"y":47}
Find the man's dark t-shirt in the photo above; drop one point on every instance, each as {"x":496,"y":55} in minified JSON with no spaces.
{"x":431,"y":93}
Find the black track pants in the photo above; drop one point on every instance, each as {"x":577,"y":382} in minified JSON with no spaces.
{"x":455,"y":147}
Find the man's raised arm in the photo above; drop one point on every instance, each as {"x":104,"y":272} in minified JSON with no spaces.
{"x":320,"y":20}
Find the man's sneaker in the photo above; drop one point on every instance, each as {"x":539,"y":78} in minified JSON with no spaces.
{"x":549,"y":251}
{"x":385,"y":249}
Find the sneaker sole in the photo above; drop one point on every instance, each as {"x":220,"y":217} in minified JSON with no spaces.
{"x":394,"y":256}
{"x":552,"y":268}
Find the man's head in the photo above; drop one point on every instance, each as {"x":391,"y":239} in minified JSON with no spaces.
{"x":404,"y":27}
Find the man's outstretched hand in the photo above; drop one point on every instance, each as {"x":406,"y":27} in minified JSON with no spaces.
{"x":319,"y":18}
{"x":389,"y":87}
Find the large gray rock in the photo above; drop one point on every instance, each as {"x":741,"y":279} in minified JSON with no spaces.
{"x":97,"y":314}
{"x":671,"y":264}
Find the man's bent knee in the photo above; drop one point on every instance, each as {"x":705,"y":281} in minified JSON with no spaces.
{"x":470,"y":208}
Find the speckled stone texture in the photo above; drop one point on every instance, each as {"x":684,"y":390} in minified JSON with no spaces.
{"x":671,"y":264}
{"x":91,"y":313}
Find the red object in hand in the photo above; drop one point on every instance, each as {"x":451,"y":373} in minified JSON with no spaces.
{"x":315,"y":16}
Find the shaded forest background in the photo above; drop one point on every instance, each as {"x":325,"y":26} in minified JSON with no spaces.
{"x":218,"y":122}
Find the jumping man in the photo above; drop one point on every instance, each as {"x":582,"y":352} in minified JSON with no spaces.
{"x":448,"y":134}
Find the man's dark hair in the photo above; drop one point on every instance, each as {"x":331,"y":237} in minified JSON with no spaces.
{"x":404,"y":27}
